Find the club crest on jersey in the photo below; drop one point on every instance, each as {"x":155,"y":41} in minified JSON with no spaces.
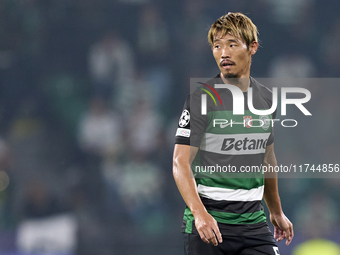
{"x":184,"y":119}
{"x":265,"y":121}
{"x":248,"y":122}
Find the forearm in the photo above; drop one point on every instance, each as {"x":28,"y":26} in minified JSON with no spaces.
{"x":186,"y":185}
{"x":185,"y":181}
{"x":205,"y":224}
{"x":271,"y":196}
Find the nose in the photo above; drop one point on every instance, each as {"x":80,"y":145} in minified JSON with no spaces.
{"x":225,"y":52}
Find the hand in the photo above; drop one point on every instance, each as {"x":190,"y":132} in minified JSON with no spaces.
{"x":207,"y":228}
{"x":283,"y":228}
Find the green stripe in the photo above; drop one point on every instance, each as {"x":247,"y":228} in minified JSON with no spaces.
{"x":232,"y":183}
{"x":188,"y":217}
{"x":234,"y":218}
{"x":226,"y":218}
{"x":236,"y":128}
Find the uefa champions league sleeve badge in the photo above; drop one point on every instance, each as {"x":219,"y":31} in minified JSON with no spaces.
{"x":184,"y":119}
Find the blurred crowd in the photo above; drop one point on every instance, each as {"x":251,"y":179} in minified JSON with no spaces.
{"x":90,"y":95}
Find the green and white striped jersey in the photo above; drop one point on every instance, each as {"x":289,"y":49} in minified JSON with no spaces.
{"x":228,"y":165}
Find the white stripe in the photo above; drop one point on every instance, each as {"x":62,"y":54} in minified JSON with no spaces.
{"x":217,"y":193}
{"x":235,"y":144}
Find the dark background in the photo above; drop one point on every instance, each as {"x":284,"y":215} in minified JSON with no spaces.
{"x":90,"y":95}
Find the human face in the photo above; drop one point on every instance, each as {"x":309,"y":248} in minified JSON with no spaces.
{"x":233,"y":56}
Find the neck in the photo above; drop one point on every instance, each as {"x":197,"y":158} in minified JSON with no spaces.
{"x":242,"y":83}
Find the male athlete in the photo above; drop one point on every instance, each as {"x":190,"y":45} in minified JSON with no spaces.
{"x":224,"y":214}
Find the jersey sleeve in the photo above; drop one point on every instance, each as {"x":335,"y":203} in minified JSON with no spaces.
{"x":191,"y":124}
{"x":271,"y":136}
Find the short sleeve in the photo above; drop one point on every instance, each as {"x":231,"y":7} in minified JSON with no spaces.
{"x":191,"y":124}
{"x":271,"y":136}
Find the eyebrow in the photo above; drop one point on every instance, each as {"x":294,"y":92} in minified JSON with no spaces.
{"x":229,"y":40}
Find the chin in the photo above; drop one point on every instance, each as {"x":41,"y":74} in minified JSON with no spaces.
{"x":229,"y":75}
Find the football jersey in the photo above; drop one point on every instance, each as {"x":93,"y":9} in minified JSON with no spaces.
{"x":228,"y":144}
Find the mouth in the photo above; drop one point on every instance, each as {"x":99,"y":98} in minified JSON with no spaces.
{"x":226,"y":64}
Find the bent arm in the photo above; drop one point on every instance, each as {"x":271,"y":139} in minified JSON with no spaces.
{"x":184,"y":179}
{"x":205,"y":224}
{"x":283,"y":228}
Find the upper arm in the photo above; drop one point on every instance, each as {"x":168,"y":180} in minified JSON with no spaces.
{"x":184,"y":154}
{"x":270,"y":160}
{"x":191,"y":128}
{"x":269,"y":156}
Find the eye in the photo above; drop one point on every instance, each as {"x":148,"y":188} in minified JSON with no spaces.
{"x":217,"y":46}
{"x":233,"y":45}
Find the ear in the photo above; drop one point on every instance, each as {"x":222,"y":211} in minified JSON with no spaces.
{"x":253,"y":47}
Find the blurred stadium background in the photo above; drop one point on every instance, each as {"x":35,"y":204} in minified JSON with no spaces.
{"x":90,"y":95}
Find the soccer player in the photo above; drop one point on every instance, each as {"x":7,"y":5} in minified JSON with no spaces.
{"x":224,"y":214}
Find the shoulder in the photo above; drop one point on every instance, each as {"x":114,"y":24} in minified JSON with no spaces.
{"x":262,"y":89}
{"x":199,"y":87}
